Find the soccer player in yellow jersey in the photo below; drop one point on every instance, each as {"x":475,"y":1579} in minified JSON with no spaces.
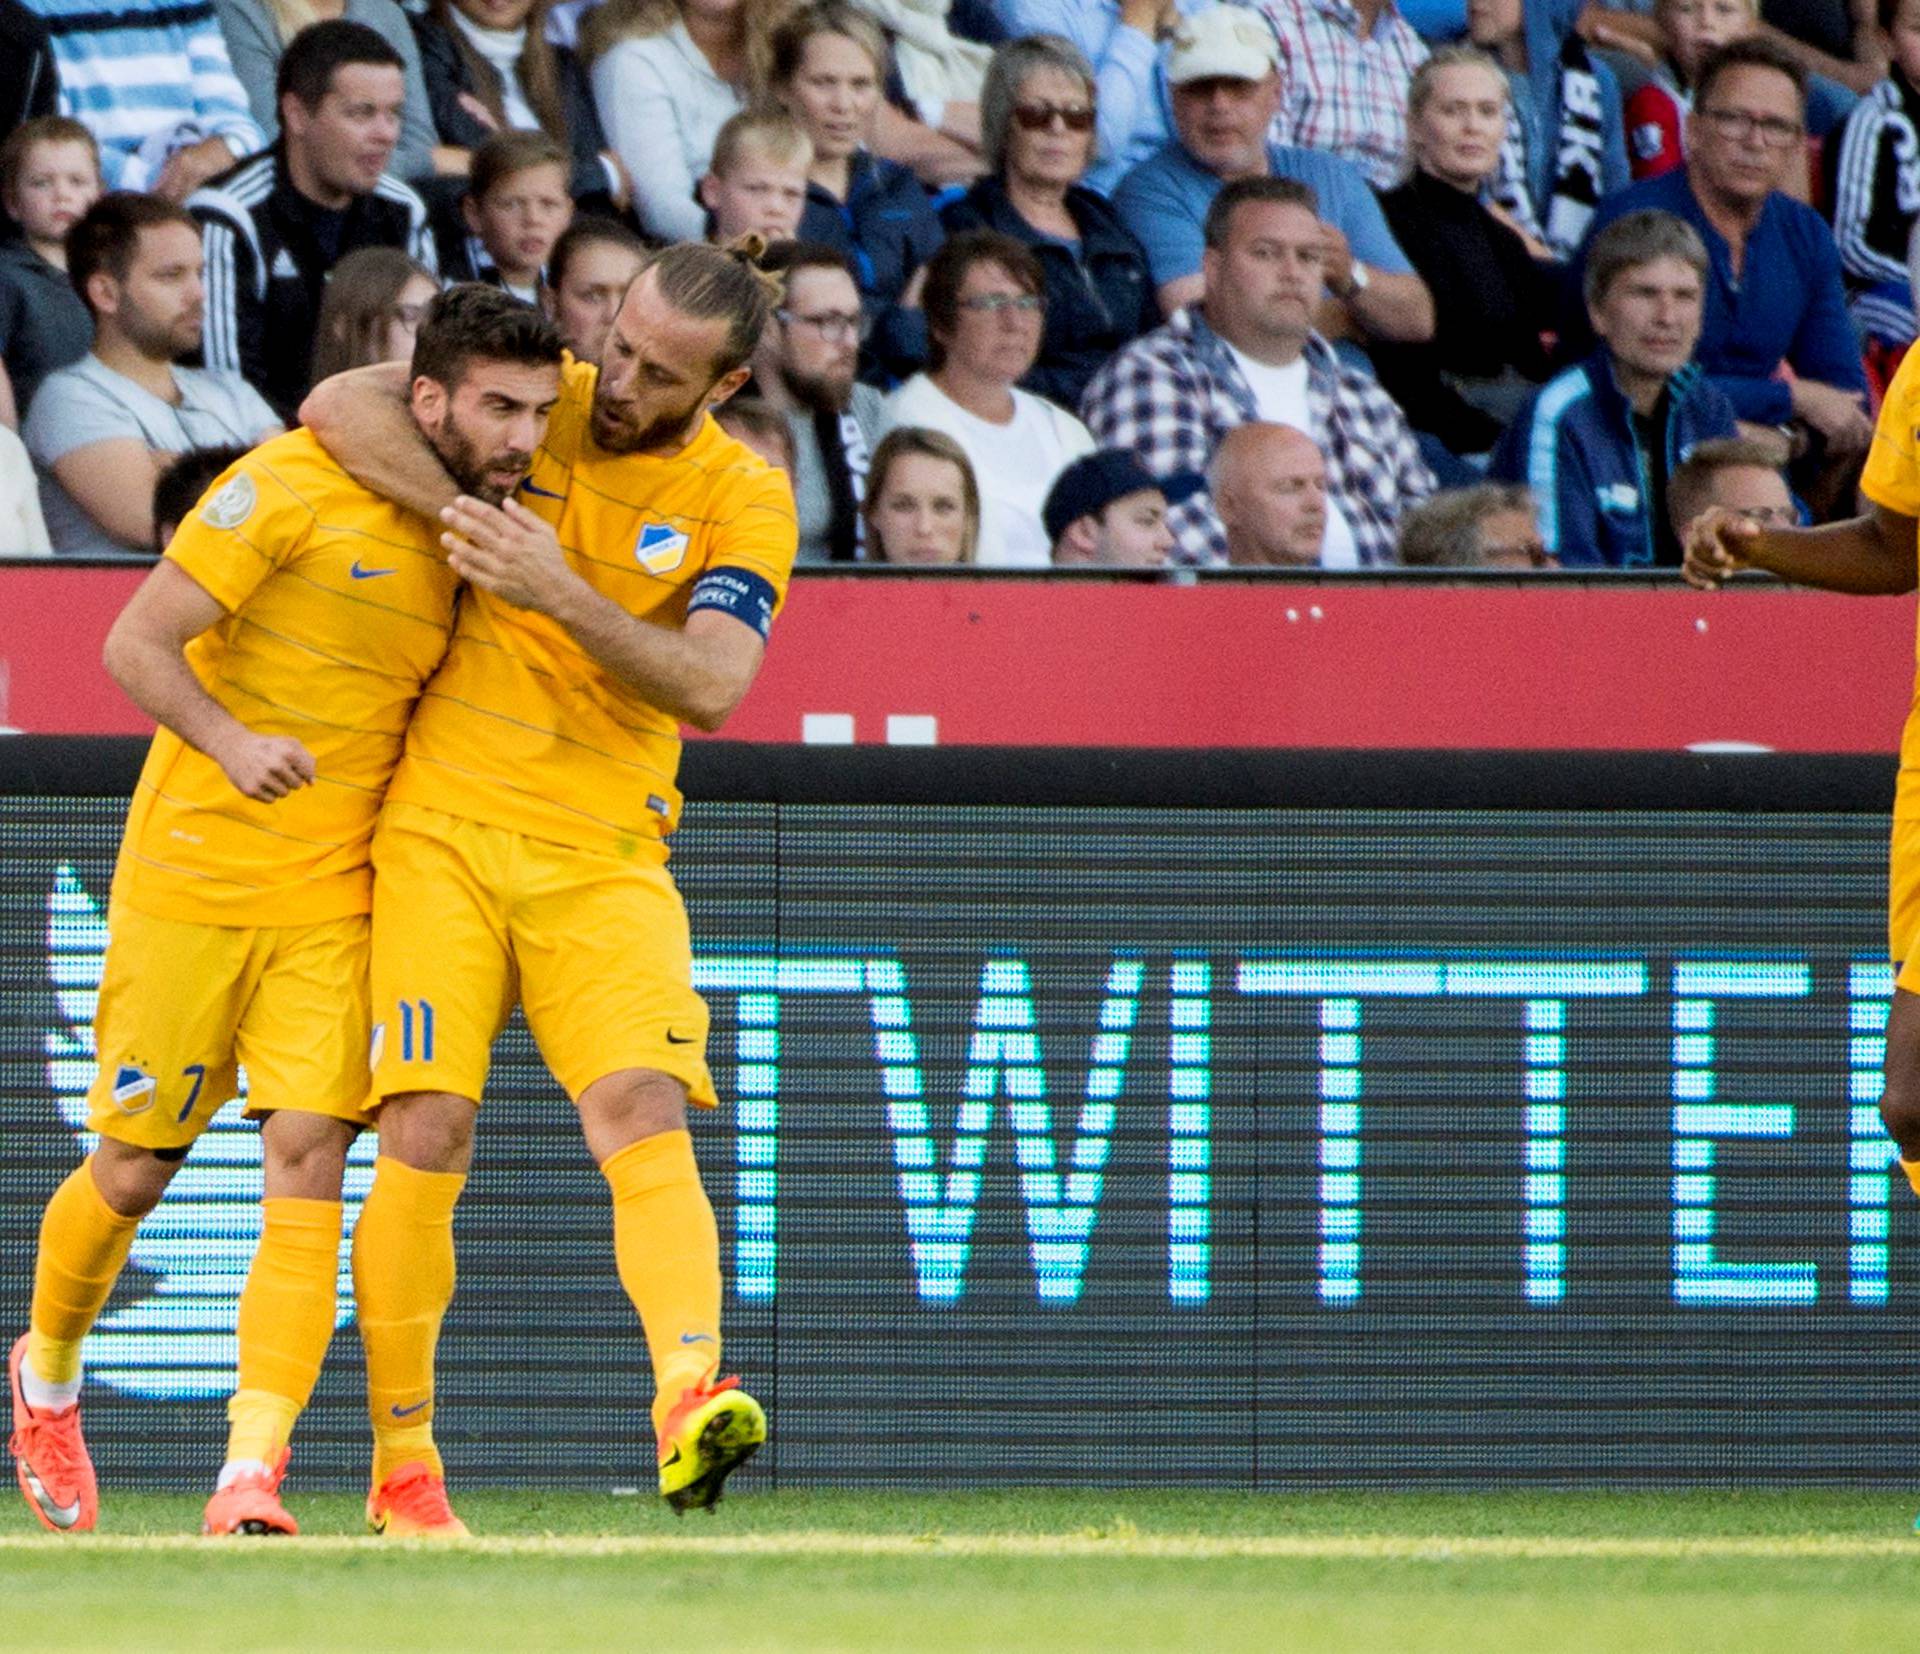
{"x":522,"y":854}
{"x":281,"y":645}
{"x":1872,"y":555}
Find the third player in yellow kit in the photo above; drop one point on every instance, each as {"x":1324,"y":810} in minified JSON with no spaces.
{"x":523,"y":852}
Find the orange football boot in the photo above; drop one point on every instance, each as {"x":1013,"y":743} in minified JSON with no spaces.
{"x":412,"y":1504}
{"x":250,"y":1503}
{"x":50,"y":1458}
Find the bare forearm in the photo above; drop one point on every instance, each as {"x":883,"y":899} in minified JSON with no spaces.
{"x":1856,"y":74}
{"x":362,"y":419}
{"x":662,"y":666}
{"x":1862,"y":556}
{"x":1398,"y":308}
{"x":158,"y":680}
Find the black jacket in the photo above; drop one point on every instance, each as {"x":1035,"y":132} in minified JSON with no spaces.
{"x":29,"y":82}
{"x":1095,"y":303}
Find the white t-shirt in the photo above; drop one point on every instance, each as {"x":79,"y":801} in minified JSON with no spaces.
{"x":1014,"y":464}
{"x":1281,"y":396}
{"x":23,"y":530}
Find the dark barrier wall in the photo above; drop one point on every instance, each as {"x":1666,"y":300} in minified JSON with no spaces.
{"x":1252,"y":1120}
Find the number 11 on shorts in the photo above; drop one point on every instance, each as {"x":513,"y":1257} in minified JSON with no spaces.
{"x":416,"y":1013}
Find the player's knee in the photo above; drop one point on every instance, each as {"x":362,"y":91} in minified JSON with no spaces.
{"x":131,"y":1180}
{"x":431,"y":1131}
{"x":305,"y":1154}
{"x":626,"y":1107}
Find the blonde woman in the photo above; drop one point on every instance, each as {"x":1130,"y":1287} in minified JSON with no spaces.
{"x":257,"y":32}
{"x":666,"y":76}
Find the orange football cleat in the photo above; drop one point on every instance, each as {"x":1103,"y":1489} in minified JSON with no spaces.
{"x":50,"y":1458}
{"x":250,"y":1503}
{"x":412,"y":1504}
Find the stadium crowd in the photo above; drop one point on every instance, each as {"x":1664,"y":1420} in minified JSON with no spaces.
{"x":1306,"y":283}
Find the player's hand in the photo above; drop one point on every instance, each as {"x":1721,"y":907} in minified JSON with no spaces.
{"x":509,"y":551}
{"x":1715,"y":545}
{"x":266,"y":767}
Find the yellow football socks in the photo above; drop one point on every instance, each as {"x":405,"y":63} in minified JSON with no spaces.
{"x":83,"y":1247}
{"x":287,"y":1314}
{"x":403,"y":1272}
{"x":667,"y":1248}
{"x":1912,"y":1169}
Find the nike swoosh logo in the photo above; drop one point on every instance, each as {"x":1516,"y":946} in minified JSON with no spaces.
{"x":61,"y":1516}
{"x":544,"y":493}
{"x":408,"y":1412}
{"x":680,"y":1039}
{"x":697,"y":1338}
{"x":368,"y":574}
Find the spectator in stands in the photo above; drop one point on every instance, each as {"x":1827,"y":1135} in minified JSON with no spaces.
{"x":1226,"y":94}
{"x":490,"y":67}
{"x":1127,"y":42}
{"x":101,"y":429}
{"x":985,"y":312}
{"x":1037,"y":116}
{"x":49,"y":176}
{"x":1599,"y":441}
{"x":1269,"y":487}
{"x":376,"y":300}
{"x":666,"y":76}
{"x":829,"y":62}
{"x":592,"y":267}
{"x":1463,"y":388}
{"x":29,"y":82}
{"x":23,"y":526}
{"x":182,"y":482}
{"x":761,"y":426}
{"x":1251,"y":353}
{"x":1347,"y":66}
{"x":931,"y":119}
{"x":1739,"y":473}
{"x":275,"y":225}
{"x":152,"y":82}
{"x":257,"y":32}
{"x":1491,"y":526}
{"x":923,"y":504}
{"x":1566,"y":147}
{"x":757,"y":184}
{"x":1876,"y":187}
{"x":804,"y":368}
{"x":1774,"y":293}
{"x":1105,"y":511}
{"x":516,"y":207}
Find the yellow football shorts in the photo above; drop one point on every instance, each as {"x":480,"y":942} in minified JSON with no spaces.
{"x":182,"y":1006}
{"x":1903,"y":902}
{"x":468,"y":918}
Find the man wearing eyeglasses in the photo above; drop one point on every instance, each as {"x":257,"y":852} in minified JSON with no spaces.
{"x":1774,"y":293}
{"x":805,"y":368}
{"x":1738,"y":473}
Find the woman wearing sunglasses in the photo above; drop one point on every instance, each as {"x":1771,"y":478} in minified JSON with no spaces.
{"x":1037,"y":127}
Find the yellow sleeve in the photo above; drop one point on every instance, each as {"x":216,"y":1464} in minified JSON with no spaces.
{"x":1892,"y":476}
{"x":250,"y":523}
{"x":759,"y":531}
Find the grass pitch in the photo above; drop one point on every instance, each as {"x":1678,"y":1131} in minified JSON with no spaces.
{"x":1543,"y":1573}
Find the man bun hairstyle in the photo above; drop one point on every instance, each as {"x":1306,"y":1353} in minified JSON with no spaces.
{"x":720,"y":284}
{"x":477,"y":322}
{"x":316,"y":54}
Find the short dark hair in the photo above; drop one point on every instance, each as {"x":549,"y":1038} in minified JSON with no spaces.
{"x":181,"y":482}
{"x":316,"y":53}
{"x":1638,"y":238}
{"x":1288,"y":192}
{"x":947,"y":273}
{"x":1750,"y":52}
{"x":107,"y":238}
{"x":501,"y":154}
{"x":477,"y":322}
{"x":590,"y":232}
{"x":786,"y":259}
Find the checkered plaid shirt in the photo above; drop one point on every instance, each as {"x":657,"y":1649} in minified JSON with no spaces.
{"x":1172,"y":395}
{"x":1343,"y":94}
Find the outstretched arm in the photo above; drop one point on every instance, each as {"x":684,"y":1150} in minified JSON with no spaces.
{"x":362,"y":419}
{"x":146,"y":655}
{"x":1869,"y":556}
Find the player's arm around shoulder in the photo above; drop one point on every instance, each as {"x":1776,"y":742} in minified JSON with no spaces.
{"x":217,"y":559}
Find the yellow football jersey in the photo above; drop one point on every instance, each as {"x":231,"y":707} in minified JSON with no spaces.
{"x":1892,"y":479}
{"x":520,"y":728}
{"x":339,"y":609}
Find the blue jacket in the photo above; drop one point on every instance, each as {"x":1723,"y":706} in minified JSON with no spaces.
{"x":887,"y":227}
{"x":1096,"y":302}
{"x":1574,"y":445}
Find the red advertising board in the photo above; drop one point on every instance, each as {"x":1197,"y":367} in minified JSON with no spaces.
{"x":1228,"y":663}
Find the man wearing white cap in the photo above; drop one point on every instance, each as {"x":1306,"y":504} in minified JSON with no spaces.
{"x":1225,"y":88}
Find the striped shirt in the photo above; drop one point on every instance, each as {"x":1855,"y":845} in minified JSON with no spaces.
{"x":146,"y":78}
{"x":1345,"y":95}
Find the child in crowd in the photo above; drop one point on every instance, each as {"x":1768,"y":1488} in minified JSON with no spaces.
{"x":516,"y":208}
{"x":588,"y":274}
{"x":49,"y":176}
{"x":1876,"y":195}
{"x":757,"y":184}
